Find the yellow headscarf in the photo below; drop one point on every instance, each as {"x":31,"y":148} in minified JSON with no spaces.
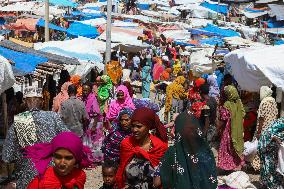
{"x":175,"y":90}
{"x":177,"y":67}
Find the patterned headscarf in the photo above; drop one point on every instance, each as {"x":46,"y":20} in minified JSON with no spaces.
{"x":104,"y":91}
{"x":175,"y":90}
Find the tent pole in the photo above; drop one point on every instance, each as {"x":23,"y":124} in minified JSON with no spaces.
{"x":108,"y":34}
{"x":46,"y":17}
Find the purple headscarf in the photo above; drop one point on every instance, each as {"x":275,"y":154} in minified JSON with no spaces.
{"x":41,"y":154}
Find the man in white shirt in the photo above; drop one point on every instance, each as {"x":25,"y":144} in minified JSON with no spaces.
{"x":136,"y":62}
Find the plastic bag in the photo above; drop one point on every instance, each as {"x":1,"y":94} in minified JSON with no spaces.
{"x":280,"y":165}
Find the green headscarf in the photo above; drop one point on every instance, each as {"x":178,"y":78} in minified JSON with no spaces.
{"x":190,"y":163}
{"x":104,"y":91}
{"x":237,"y":111}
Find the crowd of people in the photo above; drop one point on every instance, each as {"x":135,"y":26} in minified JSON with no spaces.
{"x":66,"y":126}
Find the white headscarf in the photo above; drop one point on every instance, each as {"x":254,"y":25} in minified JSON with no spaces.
{"x":265,"y":92}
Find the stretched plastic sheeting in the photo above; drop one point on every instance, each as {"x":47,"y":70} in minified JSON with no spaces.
{"x":78,"y":29}
{"x":277,"y":10}
{"x":255,"y":67}
{"x":41,"y":23}
{"x":215,"y":7}
{"x":212,"y":41}
{"x":212,"y":30}
{"x":7,"y":78}
{"x":23,"y":61}
{"x":143,"y":6}
{"x":63,"y":3}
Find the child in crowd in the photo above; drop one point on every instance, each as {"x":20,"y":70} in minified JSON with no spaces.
{"x":109,"y":169}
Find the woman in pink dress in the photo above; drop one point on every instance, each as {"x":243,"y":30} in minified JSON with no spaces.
{"x":231,"y":126}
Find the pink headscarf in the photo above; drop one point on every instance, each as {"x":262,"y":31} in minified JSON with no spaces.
{"x":92,"y":105}
{"x":116,"y":105}
{"x":41,"y":154}
{"x":61,"y":97}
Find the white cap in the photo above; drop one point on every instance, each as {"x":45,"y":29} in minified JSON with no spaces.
{"x":32,"y":91}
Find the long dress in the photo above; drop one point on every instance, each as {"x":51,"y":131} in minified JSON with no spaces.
{"x":228,"y":159}
{"x":94,"y":139}
{"x":146,"y":81}
{"x":268,"y":153}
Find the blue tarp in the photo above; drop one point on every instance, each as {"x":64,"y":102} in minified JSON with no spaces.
{"x":212,"y":41}
{"x":78,"y":29}
{"x":41,"y":23}
{"x":143,"y":6}
{"x":212,"y":30}
{"x":63,"y":3}
{"x":275,"y":24}
{"x":87,"y":16}
{"x":24,"y":62}
{"x":280,"y":42}
{"x":215,"y":7}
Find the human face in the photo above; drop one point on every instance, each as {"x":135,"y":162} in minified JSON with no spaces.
{"x":34,"y":102}
{"x":109,"y":176}
{"x":120,"y":95}
{"x":125,"y":122}
{"x":86,"y":90}
{"x":64,"y":161}
{"x":139,"y":130}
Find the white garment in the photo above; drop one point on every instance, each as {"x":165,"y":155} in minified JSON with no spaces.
{"x":238,"y":179}
{"x":126,"y":75}
{"x":136,"y":61}
{"x":250,"y":149}
{"x":123,"y":61}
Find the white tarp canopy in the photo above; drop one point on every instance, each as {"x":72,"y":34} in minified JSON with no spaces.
{"x":253,"y":14}
{"x":177,"y":35}
{"x":94,"y":22}
{"x":255,"y":67}
{"x":265,"y":1}
{"x":118,"y":23}
{"x":19,"y":7}
{"x":241,"y":42}
{"x":7,"y":78}
{"x":124,"y":36}
{"x":277,"y":10}
{"x":197,"y":11}
{"x":83,"y":49}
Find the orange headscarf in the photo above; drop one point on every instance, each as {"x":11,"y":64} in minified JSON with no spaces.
{"x":114,"y":71}
{"x":75,"y":80}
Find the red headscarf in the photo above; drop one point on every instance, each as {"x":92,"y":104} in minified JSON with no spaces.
{"x":200,"y":81}
{"x":149,"y":118}
{"x":129,"y":148}
{"x":51,"y":181}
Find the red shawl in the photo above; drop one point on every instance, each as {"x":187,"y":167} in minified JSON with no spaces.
{"x":51,"y":181}
{"x":128,"y":149}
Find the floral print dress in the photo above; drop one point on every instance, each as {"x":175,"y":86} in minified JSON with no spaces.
{"x":268,"y":154}
{"x":228,"y":159}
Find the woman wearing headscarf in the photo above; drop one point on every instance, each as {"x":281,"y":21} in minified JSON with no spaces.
{"x":129,"y":87}
{"x":69,"y":158}
{"x":194,"y":94}
{"x":111,"y":144}
{"x":141,"y":152}
{"x":231,"y":122}
{"x":268,"y":146}
{"x":146,"y":81}
{"x":123,"y":101}
{"x":61,"y":97}
{"x":76,"y":80}
{"x":104,"y":92}
{"x":176,"y":67}
{"x":214,"y":90}
{"x":267,"y":113}
{"x":175,"y":93}
{"x":114,"y":70}
{"x":189,"y":163}
{"x":166,"y":74}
